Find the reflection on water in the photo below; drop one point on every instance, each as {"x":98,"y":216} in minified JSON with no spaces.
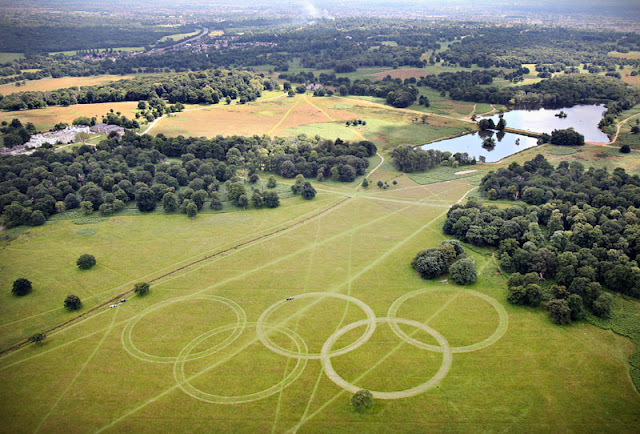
{"x":478,"y":144}
{"x":583,"y":118}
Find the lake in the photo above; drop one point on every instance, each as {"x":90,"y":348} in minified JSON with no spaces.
{"x":506,"y":144}
{"x":582,"y":118}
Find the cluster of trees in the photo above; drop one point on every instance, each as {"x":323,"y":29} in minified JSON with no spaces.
{"x":134,"y":168}
{"x":566,"y":137}
{"x":449,"y":257}
{"x":14,"y":133}
{"x":577,"y":228}
{"x":448,"y":81}
{"x":409,"y":159}
{"x":207,"y":87}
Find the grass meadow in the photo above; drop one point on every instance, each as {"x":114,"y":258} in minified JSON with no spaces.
{"x":216,"y":345}
{"x":49,"y":84}
{"x":44,"y":119}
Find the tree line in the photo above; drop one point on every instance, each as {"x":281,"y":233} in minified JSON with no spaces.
{"x":206,"y":87}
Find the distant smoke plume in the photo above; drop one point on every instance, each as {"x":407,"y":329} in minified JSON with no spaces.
{"x":314,"y":12}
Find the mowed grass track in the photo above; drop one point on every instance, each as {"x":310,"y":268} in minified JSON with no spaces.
{"x":108,"y":373}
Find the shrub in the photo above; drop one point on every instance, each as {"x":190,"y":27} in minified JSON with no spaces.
{"x":86,"y":261}
{"x":625,"y":149}
{"x":141,"y":288}
{"x":37,"y":338}
{"x":362,"y":400}
{"x":602,"y":306}
{"x":72,"y":302}
{"x":21,"y":287}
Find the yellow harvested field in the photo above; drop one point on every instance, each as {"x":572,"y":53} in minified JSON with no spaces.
{"x":634,"y":55}
{"x":270,"y":117}
{"x":46,"y":118}
{"x":400,"y":73}
{"x":49,"y":84}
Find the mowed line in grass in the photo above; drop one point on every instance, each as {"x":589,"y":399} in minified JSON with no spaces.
{"x":282,"y":323}
{"x":173,"y":274}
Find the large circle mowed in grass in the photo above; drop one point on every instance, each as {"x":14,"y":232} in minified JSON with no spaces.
{"x":180,"y":325}
{"x":238,"y":369}
{"x":447,"y":357}
{"x":472,"y":322}
{"x":315,"y":324}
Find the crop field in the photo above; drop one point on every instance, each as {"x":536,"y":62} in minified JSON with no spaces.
{"x":216,"y":346}
{"x":44,"y":119}
{"x":49,"y":84}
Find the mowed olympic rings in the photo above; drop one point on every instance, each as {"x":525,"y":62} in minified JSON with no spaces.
{"x":239,"y":326}
{"x":371,"y":325}
{"x":188,"y":388}
{"x":300,"y":351}
{"x":442,"y":372}
{"x":495,"y":336}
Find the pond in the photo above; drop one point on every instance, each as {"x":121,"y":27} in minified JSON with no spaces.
{"x":583,"y":118}
{"x":505,"y":144}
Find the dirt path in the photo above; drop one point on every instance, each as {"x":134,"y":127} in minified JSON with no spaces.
{"x":615,"y":138}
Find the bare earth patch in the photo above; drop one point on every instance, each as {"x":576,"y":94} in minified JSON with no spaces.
{"x":464,"y":172}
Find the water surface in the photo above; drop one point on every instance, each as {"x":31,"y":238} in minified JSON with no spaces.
{"x":506,"y":144}
{"x":582,"y":118}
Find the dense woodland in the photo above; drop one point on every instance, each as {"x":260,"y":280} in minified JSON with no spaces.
{"x":576,"y":230}
{"x":409,"y":159}
{"x":135,"y":168}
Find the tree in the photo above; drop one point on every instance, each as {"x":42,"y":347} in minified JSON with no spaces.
{"x":502,"y":124}
{"x":308,"y":192}
{"x":82,"y":137}
{"x":296,"y":188}
{"x":365,"y":183}
{"x":145,"y":199}
{"x":577,"y":307}
{"x":141,"y":288}
{"x":362,"y":401}
{"x":625,"y":149}
{"x":602,"y":306}
{"x":463,"y":271}
{"x":559,"y":311}
{"x":72,"y":302}
{"x":257,"y":200}
{"x":170,"y":202}
{"x":86,"y":261}
{"x":242,"y":201}
{"x":190,"y":208}
{"x":271,"y":199}
{"x":21,"y":287}
{"x":86,"y":207}
{"x":635,"y":129}
{"x":430,"y":263}
{"x":271,"y":183}
{"x":37,"y":338}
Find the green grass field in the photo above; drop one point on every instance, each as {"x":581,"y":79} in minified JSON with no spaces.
{"x":216,"y":346}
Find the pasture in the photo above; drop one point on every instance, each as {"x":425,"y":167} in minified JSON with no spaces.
{"x":44,"y":119}
{"x":304,"y":114}
{"x":49,"y":84}
{"x":216,"y":345}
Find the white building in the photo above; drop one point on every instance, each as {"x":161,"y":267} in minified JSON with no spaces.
{"x":65,"y":136}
